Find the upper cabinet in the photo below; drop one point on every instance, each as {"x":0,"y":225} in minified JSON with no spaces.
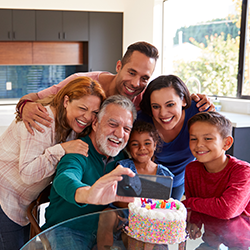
{"x":61,"y":25}
{"x":98,"y":33}
{"x":76,"y":25}
{"x":17,"y":25}
{"x":105,"y":40}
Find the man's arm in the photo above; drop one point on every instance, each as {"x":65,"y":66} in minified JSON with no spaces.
{"x":104,"y":189}
{"x":31,"y":96}
{"x":30,"y":111}
{"x":203,"y":102}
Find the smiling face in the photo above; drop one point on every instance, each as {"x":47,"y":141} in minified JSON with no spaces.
{"x":166,"y":108}
{"x":132,"y":78}
{"x":81,"y":112}
{"x":208,"y":146}
{"x":141,"y":146}
{"x":113,"y":130}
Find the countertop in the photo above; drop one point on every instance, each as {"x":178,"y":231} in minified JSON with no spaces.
{"x":238,"y":120}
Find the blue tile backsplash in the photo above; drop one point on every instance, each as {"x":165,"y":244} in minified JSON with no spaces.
{"x":31,"y":79}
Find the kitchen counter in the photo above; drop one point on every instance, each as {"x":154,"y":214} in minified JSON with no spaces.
{"x":241,"y":134}
{"x":238,"y":120}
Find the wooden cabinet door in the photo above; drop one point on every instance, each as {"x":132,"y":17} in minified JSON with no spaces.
{"x":75,"y":26}
{"x":48,"y":25}
{"x":5,"y":25}
{"x":105,"y":40}
{"x":23,"y":26}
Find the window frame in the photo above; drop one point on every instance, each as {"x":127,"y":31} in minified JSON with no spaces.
{"x":242,"y":50}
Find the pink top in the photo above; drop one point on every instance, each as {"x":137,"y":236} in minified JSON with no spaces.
{"x":223,"y":195}
{"x":27,"y":164}
{"x":94,"y":75}
{"x":55,"y":88}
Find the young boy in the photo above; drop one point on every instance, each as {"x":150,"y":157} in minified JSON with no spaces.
{"x":216,"y":184}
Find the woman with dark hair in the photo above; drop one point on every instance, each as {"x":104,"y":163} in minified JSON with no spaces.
{"x":167,"y":104}
{"x":28,"y":163}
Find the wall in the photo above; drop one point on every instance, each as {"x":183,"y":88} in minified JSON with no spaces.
{"x":142,"y":22}
{"x":142,"y":18}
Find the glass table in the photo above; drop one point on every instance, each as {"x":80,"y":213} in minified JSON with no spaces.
{"x":80,"y":233}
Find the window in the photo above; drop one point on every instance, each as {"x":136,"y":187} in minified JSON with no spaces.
{"x":206,"y":45}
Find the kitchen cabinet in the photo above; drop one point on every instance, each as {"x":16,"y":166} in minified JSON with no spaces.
{"x":240,"y":147}
{"x":105,"y":40}
{"x":241,"y":134}
{"x":17,"y":25}
{"x":99,"y":32}
{"x":61,"y":25}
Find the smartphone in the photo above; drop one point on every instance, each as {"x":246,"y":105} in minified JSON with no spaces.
{"x":146,"y":186}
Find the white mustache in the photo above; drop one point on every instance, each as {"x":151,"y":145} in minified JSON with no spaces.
{"x":116,"y":139}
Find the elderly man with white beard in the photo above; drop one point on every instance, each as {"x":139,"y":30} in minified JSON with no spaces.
{"x":85,"y":185}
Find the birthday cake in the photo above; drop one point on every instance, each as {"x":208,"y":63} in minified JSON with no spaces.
{"x":157,"y":221}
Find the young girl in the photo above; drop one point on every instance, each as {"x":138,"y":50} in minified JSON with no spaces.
{"x":141,"y":146}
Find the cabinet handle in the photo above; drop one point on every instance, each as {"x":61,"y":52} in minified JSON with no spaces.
{"x":64,"y":35}
{"x":59,"y":35}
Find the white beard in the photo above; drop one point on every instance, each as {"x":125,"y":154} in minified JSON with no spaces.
{"x":105,"y":148}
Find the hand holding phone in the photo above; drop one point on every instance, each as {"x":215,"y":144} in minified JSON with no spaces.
{"x":146,"y":186}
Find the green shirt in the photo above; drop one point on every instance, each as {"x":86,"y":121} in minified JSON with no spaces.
{"x":74,"y":171}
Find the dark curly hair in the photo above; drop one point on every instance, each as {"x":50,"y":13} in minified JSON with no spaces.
{"x":141,"y":126}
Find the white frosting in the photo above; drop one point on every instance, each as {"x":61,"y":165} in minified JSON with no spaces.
{"x":159,"y":213}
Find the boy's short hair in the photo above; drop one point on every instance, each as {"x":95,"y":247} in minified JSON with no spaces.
{"x":216,"y":119}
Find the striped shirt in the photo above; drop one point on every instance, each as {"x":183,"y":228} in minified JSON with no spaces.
{"x":27,"y":165}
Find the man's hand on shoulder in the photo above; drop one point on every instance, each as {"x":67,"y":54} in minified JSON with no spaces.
{"x":35,"y":112}
{"x":203,"y":102}
{"x":32,"y":112}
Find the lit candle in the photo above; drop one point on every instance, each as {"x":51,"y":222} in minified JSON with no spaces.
{"x":150,"y":201}
{"x":168,"y":205}
{"x":153,"y":206}
{"x":158,"y":204}
{"x":163,"y":204}
{"x":172,"y":205}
